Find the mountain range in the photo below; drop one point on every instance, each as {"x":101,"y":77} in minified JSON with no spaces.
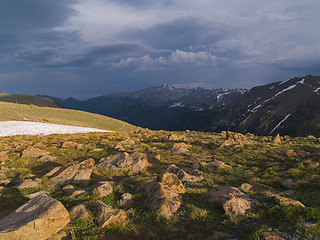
{"x":291,"y":107}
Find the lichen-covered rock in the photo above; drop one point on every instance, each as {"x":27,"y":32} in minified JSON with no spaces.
{"x":189,"y":175}
{"x":107,"y":215}
{"x":103,"y":189}
{"x":286,"y":201}
{"x":39,"y":218}
{"x":132,"y":163}
{"x":68,"y":144}
{"x":231,"y":199}
{"x":164,"y":194}
{"x":84,"y":172}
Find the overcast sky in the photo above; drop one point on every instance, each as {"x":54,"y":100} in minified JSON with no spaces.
{"x":86,"y":48}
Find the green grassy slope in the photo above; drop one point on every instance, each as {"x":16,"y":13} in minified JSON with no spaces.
{"x":21,"y":112}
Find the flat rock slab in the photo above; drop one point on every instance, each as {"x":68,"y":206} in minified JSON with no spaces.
{"x":39,"y":218}
{"x":132,"y":163}
{"x":84,"y":172}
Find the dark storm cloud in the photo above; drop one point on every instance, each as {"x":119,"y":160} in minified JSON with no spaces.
{"x":119,"y":45}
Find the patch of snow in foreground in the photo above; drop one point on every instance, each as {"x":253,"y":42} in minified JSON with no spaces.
{"x":10,"y":128}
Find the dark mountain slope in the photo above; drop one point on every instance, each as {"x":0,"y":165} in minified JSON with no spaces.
{"x":27,"y":99}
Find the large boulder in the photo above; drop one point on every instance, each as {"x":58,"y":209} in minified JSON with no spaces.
{"x":189,"y":175}
{"x":164,"y":194}
{"x":231,"y":199}
{"x":132,"y":163}
{"x":39,"y":218}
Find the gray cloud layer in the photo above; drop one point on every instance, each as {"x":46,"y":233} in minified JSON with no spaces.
{"x":84,"y":48}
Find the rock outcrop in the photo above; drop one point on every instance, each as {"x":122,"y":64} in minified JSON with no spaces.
{"x":40,"y":218}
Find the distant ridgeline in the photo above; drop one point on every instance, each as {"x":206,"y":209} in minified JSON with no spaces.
{"x":27,"y":99}
{"x":289,"y":108}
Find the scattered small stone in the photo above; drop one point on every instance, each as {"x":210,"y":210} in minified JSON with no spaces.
{"x":26,"y":184}
{"x":53,"y":171}
{"x":3,"y":156}
{"x":173,"y":137}
{"x":79,"y":212}
{"x":69,"y":189}
{"x":103,"y":189}
{"x":180,"y":148}
{"x":246,"y":186}
{"x":119,"y":147}
{"x":289,"y":153}
{"x":4,"y":182}
{"x":306,"y":224}
{"x":67,"y":144}
{"x":288,"y":183}
{"x":287,"y":193}
{"x":47,"y":158}
{"x":96,"y":150}
{"x":231,"y":199}
{"x":303,"y":154}
{"x":107,"y":215}
{"x":233,"y":138}
{"x":286,"y":201}
{"x":33,"y":195}
{"x":272,"y":236}
{"x":277,"y":139}
{"x":126,"y":199}
{"x":218,"y":164}
{"x":221,"y":235}
{"x":313,"y":165}
{"x":78,"y":193}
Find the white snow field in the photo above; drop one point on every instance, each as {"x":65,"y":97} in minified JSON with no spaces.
{"x":10,"y":128}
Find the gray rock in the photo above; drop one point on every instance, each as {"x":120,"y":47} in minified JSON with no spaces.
{"x":48,"y":158}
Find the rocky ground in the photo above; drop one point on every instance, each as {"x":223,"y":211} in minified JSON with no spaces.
{"x":159,"y":185}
